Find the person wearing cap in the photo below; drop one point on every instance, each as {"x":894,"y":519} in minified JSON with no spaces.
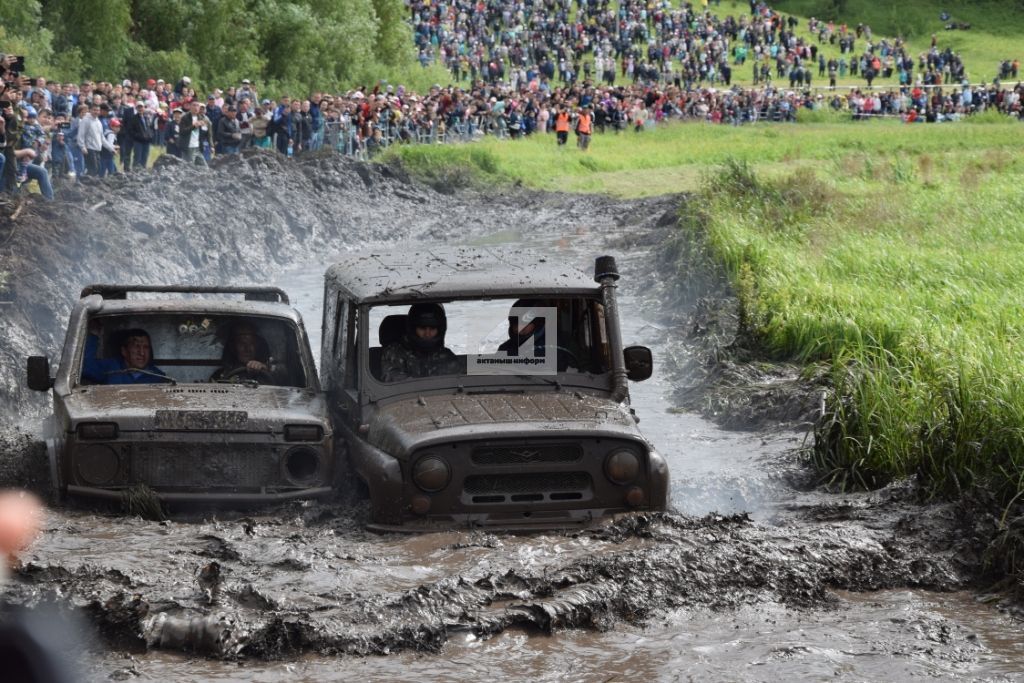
{"x":421,"y":351}
{"x":247,"y":91}
{"x":29,"y":154}
{"x":110,"y":148}
{"x":141,"y":131}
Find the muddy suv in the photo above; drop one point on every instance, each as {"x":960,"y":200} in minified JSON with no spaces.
{"x":513,"y":413}
{"x":204,"y":395}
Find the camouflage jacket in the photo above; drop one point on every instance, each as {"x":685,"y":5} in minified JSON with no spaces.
{"x":400,"y":362}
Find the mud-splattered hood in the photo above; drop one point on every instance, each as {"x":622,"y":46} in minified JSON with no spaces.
{"x":191,"y":407}
{"x":401,"y":427}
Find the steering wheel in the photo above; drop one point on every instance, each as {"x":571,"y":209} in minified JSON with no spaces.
{"x":566,"y":358}
{"x":259,"y":375}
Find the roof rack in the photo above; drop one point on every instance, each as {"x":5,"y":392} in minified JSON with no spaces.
{"x":272,"y":294}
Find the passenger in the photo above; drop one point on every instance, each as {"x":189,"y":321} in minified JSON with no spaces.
{"x":247,"y":356}
{"x":421,"y":352}
{"x":135,"y":366}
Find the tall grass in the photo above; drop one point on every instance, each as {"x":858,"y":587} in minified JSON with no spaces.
{"x":906,"y":280}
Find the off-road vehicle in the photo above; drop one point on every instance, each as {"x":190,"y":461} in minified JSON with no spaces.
{"x":198,"y":423}
{"x":522,"y":423}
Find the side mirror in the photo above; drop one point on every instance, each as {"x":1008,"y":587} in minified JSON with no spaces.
{"x":639,"y":362}
{"x":39,"y":373}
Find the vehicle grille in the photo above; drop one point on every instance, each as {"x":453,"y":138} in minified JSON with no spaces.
{"x":525,"y":455}
{"x":536,"y":482}
{"x":208,"y":466}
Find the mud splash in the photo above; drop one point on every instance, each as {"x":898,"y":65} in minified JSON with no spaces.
{"x":305,"y":579}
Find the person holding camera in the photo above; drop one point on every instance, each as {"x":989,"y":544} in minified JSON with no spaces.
{"x":10,"y":133}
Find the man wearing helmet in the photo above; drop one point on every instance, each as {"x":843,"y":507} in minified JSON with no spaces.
{"x":421,"y":352}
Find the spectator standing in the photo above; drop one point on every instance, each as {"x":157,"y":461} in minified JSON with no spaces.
{"x":109,"y":148}
{"x":229,"y":133}
{"x":140,"y":134}
{"x":90,"y":137}
{"x":125,"y":112}
{"x":584,"y":129}
{"x":261,"y":127}
{"x":246,"y":92}
{"x":562,"y":125}
{"x":60,"y":153}
{"x":316,"y":121}
{"x":172,"y":133}
{"x":245,"y":116}
{"x":193,"y":129}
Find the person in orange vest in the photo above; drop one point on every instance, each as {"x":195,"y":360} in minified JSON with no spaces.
{"x":584,"y":128}
{"x":562,"y":125}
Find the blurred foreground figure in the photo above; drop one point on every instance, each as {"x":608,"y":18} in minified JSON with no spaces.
{"x":20,"y":517}
{"x":31,"y":642}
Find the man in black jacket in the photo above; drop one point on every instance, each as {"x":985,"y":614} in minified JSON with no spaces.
{"x":140,"y":133}
{"x":229,"y":134}
{"x":125,"y":112}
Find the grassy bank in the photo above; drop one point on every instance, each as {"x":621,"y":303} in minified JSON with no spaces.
{"x":892,"y":253}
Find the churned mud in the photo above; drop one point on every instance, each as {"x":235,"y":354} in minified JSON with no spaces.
{"x":753,"y":576}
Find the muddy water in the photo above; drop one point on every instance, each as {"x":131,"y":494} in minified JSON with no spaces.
{"x":794,"y":585}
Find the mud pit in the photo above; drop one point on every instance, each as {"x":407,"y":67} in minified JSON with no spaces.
{"x":749,"y":579}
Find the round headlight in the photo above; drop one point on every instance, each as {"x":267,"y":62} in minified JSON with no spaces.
{"x":622,"y":466}
{"x":431,"y":473}
{"x":98,"y":465}
{"x":302,"y":466}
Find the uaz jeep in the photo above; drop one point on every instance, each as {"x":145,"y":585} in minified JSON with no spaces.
{"x":222,"y":406}
{"x":518,"y":418}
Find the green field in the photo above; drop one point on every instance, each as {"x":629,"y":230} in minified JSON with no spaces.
{"x":890,"y":253}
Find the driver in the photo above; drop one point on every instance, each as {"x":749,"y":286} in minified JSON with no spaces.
{"x":135,"y":365}
{"x":247,"y":356}
{"x":421,"y":352}
{"x":524,"y":325}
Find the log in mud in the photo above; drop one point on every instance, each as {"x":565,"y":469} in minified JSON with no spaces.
{"x":305,"y":581}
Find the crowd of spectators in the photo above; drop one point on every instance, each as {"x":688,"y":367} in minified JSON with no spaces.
{"x":515,"y":65}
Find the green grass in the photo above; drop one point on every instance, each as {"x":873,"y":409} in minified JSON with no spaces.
{"x":674,"y":158}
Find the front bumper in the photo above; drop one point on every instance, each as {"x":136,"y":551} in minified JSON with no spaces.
{"x":209,"y":497}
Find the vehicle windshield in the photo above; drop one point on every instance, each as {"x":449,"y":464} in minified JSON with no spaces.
{"x":538,"y":336}
{"x":191,"y":348}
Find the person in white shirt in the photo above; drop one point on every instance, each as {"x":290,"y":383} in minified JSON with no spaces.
{"x":90,"y":138}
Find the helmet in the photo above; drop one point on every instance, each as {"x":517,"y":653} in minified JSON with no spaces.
{"x":426,"y":315}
